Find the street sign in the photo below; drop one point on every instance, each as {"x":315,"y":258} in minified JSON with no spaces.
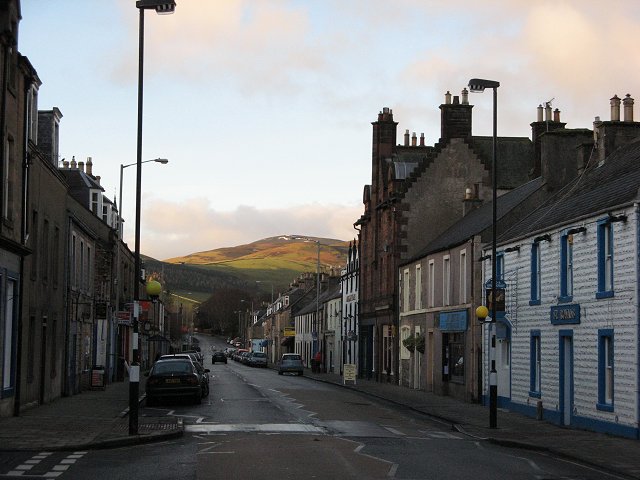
{"x":349,"y":373}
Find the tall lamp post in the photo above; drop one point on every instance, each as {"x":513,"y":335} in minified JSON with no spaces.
{"x":120,"y":232}
{"x":479,"y":85}
{"x":261,"y":281}
{"x":161,"y":7}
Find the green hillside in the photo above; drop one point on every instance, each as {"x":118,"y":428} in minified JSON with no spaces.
{"x":259,"y":265}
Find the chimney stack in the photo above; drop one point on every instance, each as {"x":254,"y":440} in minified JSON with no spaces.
{"x":455,"y":117}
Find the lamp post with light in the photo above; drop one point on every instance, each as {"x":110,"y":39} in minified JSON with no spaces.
{"x":161,"y":7}
{"x":479,"y":85}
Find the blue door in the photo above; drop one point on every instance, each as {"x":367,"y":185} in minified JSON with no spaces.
{"x":566,"y":376}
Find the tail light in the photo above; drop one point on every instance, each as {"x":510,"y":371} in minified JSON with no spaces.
{"x":192,"y":380}
{"x":153,"y":381}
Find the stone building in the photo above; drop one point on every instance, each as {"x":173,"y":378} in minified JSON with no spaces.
{"x":415,"y":194}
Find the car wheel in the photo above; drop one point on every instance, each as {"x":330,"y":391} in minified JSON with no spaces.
{"x":279,"y":373}
{"x":299,"y":374}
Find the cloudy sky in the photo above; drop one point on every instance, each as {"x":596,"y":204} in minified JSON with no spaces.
{"x":264,"y":107}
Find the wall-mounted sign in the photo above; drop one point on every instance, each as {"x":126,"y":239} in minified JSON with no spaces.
{"x":289,"y":331}
{"x":455,"y":321}
{"x":565,"y":314}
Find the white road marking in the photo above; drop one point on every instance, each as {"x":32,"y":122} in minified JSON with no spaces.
{"x":394,"y":431}
{"x":247,"y":427}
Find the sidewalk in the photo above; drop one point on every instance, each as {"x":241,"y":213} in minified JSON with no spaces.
{"x":89,"y":420}
{"x":612,"y":454}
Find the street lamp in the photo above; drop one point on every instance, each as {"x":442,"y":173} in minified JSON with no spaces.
{"x":479,"y":85}
{"x":161,"y":7}
{"x":261,"y":281}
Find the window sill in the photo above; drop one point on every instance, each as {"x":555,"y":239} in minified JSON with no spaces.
{"x":534,"y":302}
{"x":608,"y":294}
{"x":566,"y":299}
{"x":604,"y":407}
{"x":535,"y":394}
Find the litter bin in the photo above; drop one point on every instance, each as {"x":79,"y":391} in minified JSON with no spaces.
{"x":97,"y":377}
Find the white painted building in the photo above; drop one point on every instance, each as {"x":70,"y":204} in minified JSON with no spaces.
{"x":567,"y":345}
{"x":349,"y":281}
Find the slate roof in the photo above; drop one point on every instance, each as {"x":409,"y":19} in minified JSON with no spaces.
{"x":479,"y":219}
{"x":609,"y":185}
{"x":79,"y":184}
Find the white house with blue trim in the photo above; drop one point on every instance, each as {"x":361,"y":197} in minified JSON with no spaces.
{"x":567,"y":346}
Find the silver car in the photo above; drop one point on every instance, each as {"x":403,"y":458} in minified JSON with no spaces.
{"x":257,"y":359}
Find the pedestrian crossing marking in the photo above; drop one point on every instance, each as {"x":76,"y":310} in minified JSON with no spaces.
{"x":260,"y":428}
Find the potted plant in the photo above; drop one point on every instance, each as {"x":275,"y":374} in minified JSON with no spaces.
{"x":410,"y":343}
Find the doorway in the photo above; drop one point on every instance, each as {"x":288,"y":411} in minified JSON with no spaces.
{"x":566,"y":376}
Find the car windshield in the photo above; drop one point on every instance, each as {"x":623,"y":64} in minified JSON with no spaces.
{"x":291,"y":357}
{"x":163,"y":367}
{"x":259,"y":354}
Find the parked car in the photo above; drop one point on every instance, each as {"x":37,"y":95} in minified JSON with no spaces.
{"x":218,"y":356}
{"x":173,"y":378}
{"x":244,"y":357}
{"x":229,"y":351}
{"x":257,"y":359}
{"x":203,"y":372}
{"x":290,"y":363}
{"x":237,"y":356}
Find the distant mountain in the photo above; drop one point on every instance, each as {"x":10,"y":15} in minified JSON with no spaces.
{"x":271,"y":261}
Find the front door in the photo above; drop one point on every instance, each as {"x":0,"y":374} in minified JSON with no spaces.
{"x":566,"y":376}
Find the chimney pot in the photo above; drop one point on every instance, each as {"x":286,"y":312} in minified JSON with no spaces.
{"x":615,"y":108}
{"x":447,"y":98}
{"x":465,"y":96}
{"x":74,"y":165}
{"x":89,"y":166}
{"x":547,"y":112}
{"x":414,"y":140}
{"x":65,"y":163}
{"x":406,"y":137}
{"x":556,"y":115}
{"x":456,"y":100}
{"x":422,"y":139}
{"x":81,"y":166}
{"x":628,"y":108}
{"x":540,"y":116}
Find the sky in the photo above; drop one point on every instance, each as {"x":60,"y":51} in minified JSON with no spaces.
{"x":264,"y":107}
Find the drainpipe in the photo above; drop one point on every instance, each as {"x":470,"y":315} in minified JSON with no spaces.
{"x":637,"y":213}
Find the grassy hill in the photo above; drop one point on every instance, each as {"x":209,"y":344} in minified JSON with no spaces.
{"x":274,"y":260}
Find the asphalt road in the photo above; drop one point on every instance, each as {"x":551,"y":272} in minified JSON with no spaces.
{"x":257,"y":424}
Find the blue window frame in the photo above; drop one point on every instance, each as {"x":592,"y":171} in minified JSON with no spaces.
{"x":536,"y":285}
{"x":566,"y":268}
{"x":500,"y":266}
{"x":605,"y":370}
{"x":535,"y":364}
{"x":605,"y":259}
